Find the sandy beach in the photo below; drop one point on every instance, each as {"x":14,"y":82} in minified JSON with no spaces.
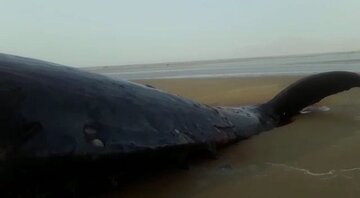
{"x":315,"y":156}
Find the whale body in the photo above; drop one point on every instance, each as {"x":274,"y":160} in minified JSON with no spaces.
{"x":51,"y":112}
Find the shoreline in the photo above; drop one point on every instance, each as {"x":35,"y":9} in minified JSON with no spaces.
{"x":238,"y":75}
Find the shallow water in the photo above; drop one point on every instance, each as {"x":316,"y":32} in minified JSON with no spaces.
{"x":315,"y":156}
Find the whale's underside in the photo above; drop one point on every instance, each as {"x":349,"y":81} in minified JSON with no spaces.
{"x":52,"y":114}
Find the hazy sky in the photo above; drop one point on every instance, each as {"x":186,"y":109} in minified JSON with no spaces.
{"x":113,"y":32}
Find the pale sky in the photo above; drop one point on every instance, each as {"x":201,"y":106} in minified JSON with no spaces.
{"x":115,"y":32}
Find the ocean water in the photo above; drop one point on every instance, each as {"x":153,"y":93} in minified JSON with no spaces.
{"x":288,"y":65}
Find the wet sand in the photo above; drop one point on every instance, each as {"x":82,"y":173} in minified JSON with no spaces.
{"x":315,"y":156}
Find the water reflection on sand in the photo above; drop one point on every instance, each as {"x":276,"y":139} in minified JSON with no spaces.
{"x":315,"y":156}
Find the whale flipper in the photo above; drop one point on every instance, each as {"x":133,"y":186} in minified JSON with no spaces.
{"x":310,"y":90}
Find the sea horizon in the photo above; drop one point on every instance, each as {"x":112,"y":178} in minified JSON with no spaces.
{"x":253,"y":66}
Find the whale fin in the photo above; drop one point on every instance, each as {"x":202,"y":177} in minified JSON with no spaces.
{"x":309,"y":90}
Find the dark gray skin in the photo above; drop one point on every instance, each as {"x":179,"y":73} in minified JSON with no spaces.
{"x":52,"y":112}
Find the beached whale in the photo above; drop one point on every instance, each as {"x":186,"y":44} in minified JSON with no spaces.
{"x":53,"y":114}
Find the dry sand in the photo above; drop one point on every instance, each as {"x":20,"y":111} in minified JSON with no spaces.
{"x":315,"y":156}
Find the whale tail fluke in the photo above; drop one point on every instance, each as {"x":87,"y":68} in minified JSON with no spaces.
{"x":310,"y":90}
